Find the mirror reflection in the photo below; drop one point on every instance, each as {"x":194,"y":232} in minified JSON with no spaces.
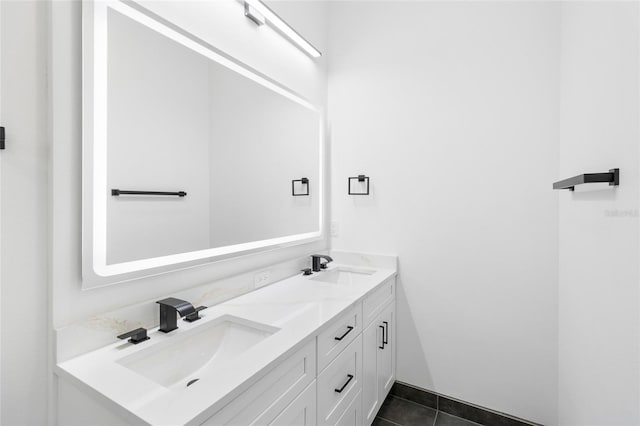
{"x":226,"y":145}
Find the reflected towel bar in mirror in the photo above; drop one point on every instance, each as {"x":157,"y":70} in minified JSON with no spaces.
{"x":118,"y":192}
{"x":612,"y":177}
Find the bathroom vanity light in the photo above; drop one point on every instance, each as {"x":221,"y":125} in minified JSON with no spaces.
{"x":258,"y":12}
{"x":251,"y":13}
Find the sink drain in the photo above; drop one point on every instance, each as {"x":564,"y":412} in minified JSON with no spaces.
{"x":192,"y":382}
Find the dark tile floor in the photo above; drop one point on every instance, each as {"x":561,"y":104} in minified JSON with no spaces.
{"x":396,"y":411}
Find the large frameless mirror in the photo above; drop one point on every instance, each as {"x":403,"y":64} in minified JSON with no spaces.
{"x":188,"y":155}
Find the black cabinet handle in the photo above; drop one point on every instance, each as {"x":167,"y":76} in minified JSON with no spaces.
{"x":385,"y":336}
{"x":345,"y":334}
{"x":350,"y":376}
{"x":383,"y":341}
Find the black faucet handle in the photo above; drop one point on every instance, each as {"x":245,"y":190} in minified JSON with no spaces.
{"x":306,"y":271}
{"x":323,"y":256}
{"x":195,"y":316}
{"x":136,"y":336}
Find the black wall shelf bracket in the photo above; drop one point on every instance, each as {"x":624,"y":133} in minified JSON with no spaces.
{"x":118,"y":192}
{"x":1,"y":137}
{"x":303,"y":181}
{"x":359,"y":178}
{"x":612,"y":177}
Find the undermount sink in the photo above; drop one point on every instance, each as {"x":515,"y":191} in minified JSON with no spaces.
{"x":183,"y":358}
{"x":342,"y":275}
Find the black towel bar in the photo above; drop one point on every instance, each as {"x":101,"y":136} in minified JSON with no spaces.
{"x":613,"y":177}
{"x":117,"y":192}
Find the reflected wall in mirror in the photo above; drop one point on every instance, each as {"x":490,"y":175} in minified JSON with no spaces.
{"x":164,"y":112}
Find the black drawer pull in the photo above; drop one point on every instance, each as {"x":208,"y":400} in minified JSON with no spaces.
{"x":385,"y":336}
{"x":345,"y":334}
{"x":350,"y":376}
{"x":383,"y":341}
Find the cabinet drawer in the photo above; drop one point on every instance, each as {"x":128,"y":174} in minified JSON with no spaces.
{"x":339,"y":383}
{"x":265,"y":399}
{"x":301,"y":412}
{"x":338,"y":335}
{"x":374,"y":303}
{"x":352,"y":416}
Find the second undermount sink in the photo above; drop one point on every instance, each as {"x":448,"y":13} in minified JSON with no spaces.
{"x":344,"y":275}
{"x":181,"y":359}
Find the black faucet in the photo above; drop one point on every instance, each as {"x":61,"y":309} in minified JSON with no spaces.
{"x":168,"y":309}
{"x":316,"y":261}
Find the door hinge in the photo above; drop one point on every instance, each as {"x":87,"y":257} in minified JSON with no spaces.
{"x":1,"y":137}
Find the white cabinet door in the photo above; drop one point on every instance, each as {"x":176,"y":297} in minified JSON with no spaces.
{"x":387,"y":353}
{"x":378,"y":362}
{"x":352,"y":415}
{"x":375,"y":302}
{"x":301,"y":412}
{"x":371,"y":338}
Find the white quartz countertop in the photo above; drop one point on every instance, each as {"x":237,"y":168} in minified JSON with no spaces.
{"x":299,"y":307}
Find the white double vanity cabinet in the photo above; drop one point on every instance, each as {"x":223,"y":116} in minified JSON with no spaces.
{"x":308,"y":350}
{"x":340,"y":377}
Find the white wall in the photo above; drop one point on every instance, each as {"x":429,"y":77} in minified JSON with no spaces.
{"x":261,"y":141}
{"x":452,"y":109}
{"x":24,"y":249}
{"x":598,"y":297}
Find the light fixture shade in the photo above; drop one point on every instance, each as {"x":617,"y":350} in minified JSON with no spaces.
{"x":281,"y":26}
{"x":251,"y":13}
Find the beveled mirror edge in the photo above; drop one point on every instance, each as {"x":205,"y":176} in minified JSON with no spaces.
{"x":95,"y":271}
